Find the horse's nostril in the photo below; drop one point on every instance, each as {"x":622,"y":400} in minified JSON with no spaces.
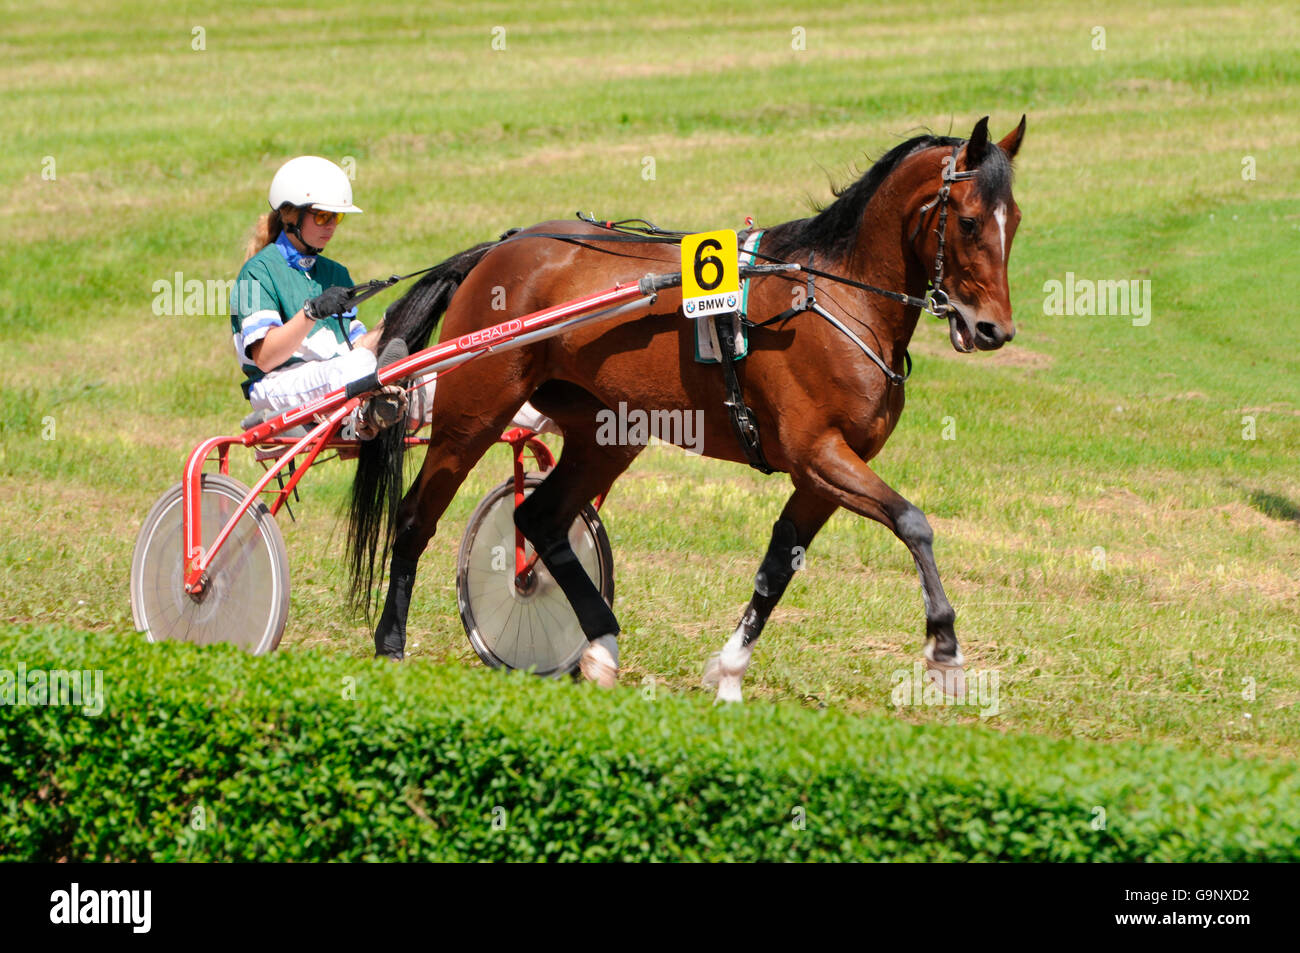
{"x":989,"y":330}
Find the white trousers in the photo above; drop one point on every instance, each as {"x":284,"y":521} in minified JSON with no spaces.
{"x":294,"y":386}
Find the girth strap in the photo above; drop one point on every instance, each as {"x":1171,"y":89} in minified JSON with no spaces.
{"x":743,"y":421}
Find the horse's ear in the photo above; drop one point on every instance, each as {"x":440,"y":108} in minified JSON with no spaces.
{"x":978,"y":144}
{"x":1011,"y":144}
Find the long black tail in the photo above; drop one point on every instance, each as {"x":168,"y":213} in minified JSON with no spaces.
{"x":377,"y":486}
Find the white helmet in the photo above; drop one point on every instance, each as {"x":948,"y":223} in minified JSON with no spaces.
{"x":311,"y":180}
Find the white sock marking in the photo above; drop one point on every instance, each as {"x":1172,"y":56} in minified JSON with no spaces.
{"x":733,"y":660}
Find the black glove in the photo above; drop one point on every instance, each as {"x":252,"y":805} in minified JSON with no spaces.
{"x":328,"y":302}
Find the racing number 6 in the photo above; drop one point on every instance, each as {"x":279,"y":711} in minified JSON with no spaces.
{"x":709,"y":267}
{"x":713,"y":261}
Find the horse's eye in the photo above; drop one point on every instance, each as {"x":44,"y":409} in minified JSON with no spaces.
{"x":968,"y":227}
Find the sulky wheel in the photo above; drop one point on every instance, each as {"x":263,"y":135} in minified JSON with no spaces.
{"x":528,"y":626}
{"x":246,"y":601}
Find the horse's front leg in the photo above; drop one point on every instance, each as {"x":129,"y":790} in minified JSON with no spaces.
{"x":840,"y":474}
{"x":449,"y":460}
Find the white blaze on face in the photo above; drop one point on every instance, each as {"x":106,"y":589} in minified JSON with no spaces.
{"x":1000,"y":214}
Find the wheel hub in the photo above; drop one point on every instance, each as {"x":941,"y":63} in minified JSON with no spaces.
{"x":525,"y":584}
{"x":200,"y":590}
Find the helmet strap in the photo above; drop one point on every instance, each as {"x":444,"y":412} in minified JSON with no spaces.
{"x":293,"y":229}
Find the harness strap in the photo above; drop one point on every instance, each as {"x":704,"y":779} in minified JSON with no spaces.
{"x":898,"y":296}
{"x":578,"y":239}
{"x":630,"y":225}
{"x":811,"y":304}
{"x":893,"y":376}
{"x":743,"y":421}
{"x":810,"y":295}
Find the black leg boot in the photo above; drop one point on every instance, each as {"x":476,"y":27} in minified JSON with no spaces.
{"x":390,"y":634}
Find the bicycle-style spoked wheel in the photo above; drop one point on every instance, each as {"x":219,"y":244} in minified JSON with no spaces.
{"x":246,"y":601}
{"x":531,"y":626}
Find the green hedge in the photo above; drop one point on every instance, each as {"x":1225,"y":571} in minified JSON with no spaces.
{"x":277,"y":762}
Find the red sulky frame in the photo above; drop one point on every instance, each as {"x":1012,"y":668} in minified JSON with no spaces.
{"x":326,"y":415}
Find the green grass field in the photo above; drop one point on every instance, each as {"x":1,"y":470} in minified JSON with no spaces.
{"x":1117,"y":514}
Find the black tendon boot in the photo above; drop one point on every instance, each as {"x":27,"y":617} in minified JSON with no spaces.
{"x":390,"y":634}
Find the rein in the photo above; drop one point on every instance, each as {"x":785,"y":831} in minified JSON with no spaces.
{"x":368,"y":289}
{"x":935,"y":300}
{"x":641,"y":231}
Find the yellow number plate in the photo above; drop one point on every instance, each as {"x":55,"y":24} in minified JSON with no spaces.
{"x":710,"y":273}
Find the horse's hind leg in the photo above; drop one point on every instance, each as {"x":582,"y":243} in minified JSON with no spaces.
{"x":458,"y":441}
{"x":804,"y":514}
{"x":585,"y":470}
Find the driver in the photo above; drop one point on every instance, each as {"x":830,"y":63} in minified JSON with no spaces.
{"x":294,"y":334}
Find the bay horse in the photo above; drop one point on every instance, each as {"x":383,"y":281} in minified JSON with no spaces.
{"x":824,"y":408}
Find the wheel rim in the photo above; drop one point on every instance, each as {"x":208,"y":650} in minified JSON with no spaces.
{"x":537,"y":629}
{"x":246,"y":599}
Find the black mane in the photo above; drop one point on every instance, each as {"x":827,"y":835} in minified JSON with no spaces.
{"x":833,"y":231}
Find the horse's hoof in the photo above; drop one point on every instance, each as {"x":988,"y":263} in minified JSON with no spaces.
{"x":599,"y":662}
{"x":949,"y":676}
{"x":727,"y":683}
{"x":729,"y":690}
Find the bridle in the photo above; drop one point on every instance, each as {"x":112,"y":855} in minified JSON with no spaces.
{"x":936,"y":299}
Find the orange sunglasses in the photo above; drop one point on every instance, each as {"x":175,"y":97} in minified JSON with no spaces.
{"x":324,"y":218}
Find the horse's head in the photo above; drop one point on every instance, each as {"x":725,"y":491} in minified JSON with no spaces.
{"x":978,"y":217}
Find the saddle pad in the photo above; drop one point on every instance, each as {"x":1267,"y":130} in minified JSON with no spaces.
{"x":706,"y":331}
